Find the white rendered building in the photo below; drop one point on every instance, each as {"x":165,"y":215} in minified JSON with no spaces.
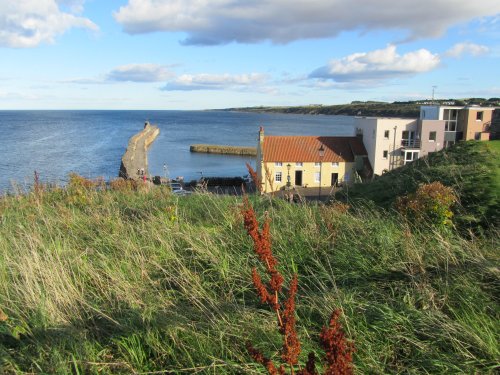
{"x":393,"y":142}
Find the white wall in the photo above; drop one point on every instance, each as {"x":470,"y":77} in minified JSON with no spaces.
{"x":376,"y":142}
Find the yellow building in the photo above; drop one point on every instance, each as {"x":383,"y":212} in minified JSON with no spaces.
{"x":309,"y":161}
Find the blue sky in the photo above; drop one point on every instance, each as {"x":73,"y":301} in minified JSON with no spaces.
{"x":199,"y":54}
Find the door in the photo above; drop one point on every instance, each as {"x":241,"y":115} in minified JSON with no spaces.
{"x":298,"y":178}
{"x":335,"y":179}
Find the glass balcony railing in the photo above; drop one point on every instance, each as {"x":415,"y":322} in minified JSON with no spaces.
{"x":410,"y":143}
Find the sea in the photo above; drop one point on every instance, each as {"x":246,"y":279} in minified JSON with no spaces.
{"x":91,"y":143}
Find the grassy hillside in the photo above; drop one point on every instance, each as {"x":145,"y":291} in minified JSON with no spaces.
{"x":381,"y":109}
{"x":409,"y":109}
{"x":146,"y":282}
{"x":471,"y":168}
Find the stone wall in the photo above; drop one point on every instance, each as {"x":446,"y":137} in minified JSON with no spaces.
{"x":134,"y":163}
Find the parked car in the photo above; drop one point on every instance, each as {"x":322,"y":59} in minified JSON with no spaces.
{"x":175,"y":187}
{"x":182,"y":193}
{"x":248,"y":179}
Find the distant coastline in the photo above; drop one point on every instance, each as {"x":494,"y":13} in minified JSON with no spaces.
{"x":409,"y":109}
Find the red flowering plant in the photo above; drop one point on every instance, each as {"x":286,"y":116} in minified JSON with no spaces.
{"x":255,"y":178}
{"x":338,"y":350}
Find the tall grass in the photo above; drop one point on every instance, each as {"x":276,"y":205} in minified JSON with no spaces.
{"x":142,"y":281}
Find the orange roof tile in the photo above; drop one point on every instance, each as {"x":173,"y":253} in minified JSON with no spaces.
{"x":305,"y":149}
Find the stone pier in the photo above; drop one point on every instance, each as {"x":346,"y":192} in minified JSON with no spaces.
{"x":134,"y":163}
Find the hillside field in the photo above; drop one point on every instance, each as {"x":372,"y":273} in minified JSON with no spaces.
{"x":102,"y":281}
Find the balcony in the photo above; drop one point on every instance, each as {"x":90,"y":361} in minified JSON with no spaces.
{"x":452,"y":136}
{"x":410,"y":143}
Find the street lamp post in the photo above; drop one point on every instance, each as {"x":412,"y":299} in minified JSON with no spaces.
{"x":288,"y":183}
{"x":165,"y":171}
{"x":321,"y":152}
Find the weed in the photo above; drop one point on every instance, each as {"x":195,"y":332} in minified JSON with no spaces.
{"x":338,"y":351}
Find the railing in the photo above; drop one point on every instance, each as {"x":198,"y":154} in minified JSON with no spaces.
{"x":450,"y":136}
{"x":410,"y":143}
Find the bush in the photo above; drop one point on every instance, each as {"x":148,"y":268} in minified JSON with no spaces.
{"x":430,"y":204}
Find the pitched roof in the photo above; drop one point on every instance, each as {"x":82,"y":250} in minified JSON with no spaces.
{"x":305,"y":149}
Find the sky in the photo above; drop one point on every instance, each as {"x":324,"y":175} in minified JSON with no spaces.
{"x":206,"y":54}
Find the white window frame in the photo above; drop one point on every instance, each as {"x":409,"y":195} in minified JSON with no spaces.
{"x":317,"y":165}
{"x":278,"y":176}
{"x":299,"y":164}
{"x":335,"y":164}
{"x":316,"y":177}
{"x":278,"y":164}
{"x":435,"y":136}
{"x":414,"y":156}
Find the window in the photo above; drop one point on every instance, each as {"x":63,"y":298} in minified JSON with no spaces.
{"x":479,"y":116}
{"x":450,"y":126}
{"x":450,"y":117}
{"x":316,"y":177}
{"x":477,"y":136}
{"x":335,"y":164}
{"x":298,"y":164}
{"x":277,"y":177}
{"x":432,"y":136}
{"x":278,"y":164}
{"x":450,"y":114}
{"x":317,"y":164}
{"x":386,"y":134}
{"x":386,"y":153}
{"x":411,"y":155}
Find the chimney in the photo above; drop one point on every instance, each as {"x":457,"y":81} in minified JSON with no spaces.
{"x":261,"y":134}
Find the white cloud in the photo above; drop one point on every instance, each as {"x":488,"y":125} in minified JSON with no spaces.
{"x":140,"y":73}
{"x":466,"y":48}
{"x":74,"y":6}
{"x":84,"y":81}
{"x":17,"y":96}
{"x":377,"y":66}
{"x":27,"y":23}
{"x":188,"y":82}
{"x":222,"y":21}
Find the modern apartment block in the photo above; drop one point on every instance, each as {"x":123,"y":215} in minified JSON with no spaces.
{"x":461,"y":123}
{"x":393,"y":142}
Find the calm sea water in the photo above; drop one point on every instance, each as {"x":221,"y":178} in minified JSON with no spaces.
{"x":91,"y":143}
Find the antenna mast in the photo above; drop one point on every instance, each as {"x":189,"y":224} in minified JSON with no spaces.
{"x":433,"y":90}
